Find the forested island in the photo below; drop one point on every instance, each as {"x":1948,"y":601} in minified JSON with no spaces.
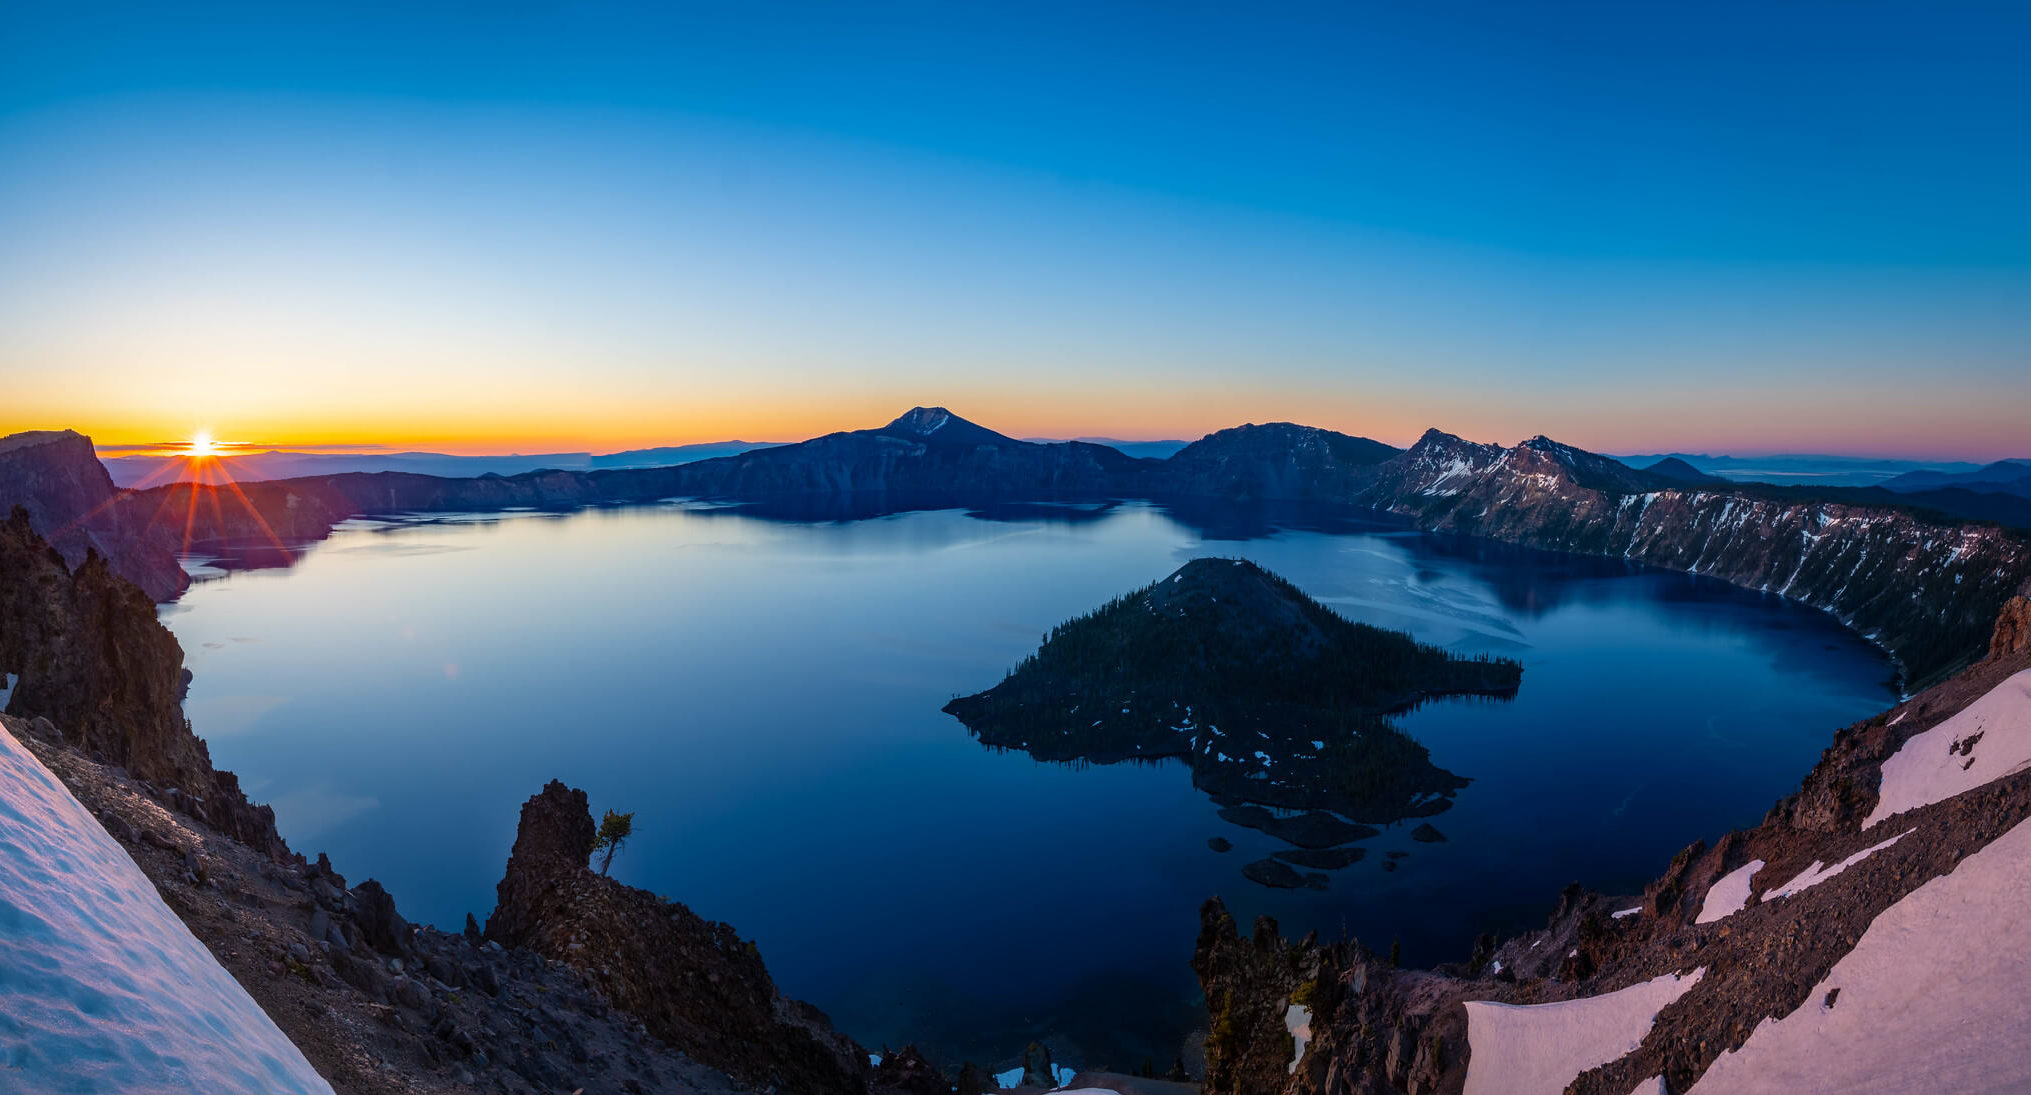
{"x":1269,"y":696}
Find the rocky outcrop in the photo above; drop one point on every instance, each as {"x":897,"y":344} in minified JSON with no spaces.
{"x":696,"y":984}
{"x":56,"y":476}
{"x":1377,"y":1028}
{"x":380,"y":1007}
{"x":2013,"y":627}
{"x":1926,"y":589}
{"x":94,"y":662}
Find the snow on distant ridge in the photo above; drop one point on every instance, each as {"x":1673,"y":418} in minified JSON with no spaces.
{"x":1526,"y":1049}
{"x":1931,"y":998}
{"x":1983,"y":742}
{"x":102,"y":988}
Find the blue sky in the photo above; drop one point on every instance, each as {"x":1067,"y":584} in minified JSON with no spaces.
{"x":1717,"y":227}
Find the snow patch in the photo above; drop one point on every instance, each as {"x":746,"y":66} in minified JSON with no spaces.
{"x":7,"y":690}
{"x":1728,"y":895}
{"x":1525,"y":1049}
{"x":1298,"y":1020}
{"x":1620,"y":913}
{"x":1059,"y":1073}
{"x":1930,"y":999}
{"x":102,"y":988}
{"x":1820,"y":872}
{"x":1987,"y":740}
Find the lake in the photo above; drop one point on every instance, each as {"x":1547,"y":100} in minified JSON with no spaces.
{"x":764,"y":694}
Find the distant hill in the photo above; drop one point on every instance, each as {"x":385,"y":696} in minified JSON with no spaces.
{"x":1272,"y":461}
{"x":1146,"y":450}
{"x":1678,"y":471}
{"x":670,"y":455}
{"x":1801,"y":469}
{"x":149,"y":470}
{"x":2001,"y":477}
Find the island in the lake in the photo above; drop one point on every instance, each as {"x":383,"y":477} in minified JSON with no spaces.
{"x":1271,"y":698}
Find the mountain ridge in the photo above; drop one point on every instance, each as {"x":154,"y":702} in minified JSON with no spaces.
{"x":1897,"y":568}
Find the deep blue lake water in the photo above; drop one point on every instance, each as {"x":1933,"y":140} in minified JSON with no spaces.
{"x":765,"y":695}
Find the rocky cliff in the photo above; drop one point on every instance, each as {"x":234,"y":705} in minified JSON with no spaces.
{"x":1882,"y":887}
{"x":56,"y":476}
{"x":696,"y":984}
{"x":1927,"y":589}
{"x":95,"y":666}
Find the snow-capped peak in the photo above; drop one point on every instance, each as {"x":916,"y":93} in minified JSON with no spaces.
{"x":922,"y":421}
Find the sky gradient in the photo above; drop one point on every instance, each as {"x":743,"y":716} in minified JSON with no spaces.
{"x":1745,"y":228}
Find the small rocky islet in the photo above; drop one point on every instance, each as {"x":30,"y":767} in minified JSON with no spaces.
{"x":1277,"y":704}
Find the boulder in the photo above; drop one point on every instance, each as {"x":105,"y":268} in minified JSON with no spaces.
{"x":381,"y":926}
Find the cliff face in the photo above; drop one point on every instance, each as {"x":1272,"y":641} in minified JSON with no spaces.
{"x":696,"y":985}
{"x":1928,"y":592}
{"x":56,"y":476}
{"x":93,"y":661}
{"x":1784,"y":919}
{"x":2013,"y":627}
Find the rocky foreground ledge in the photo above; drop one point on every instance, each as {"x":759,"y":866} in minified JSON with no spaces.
{"x":1868,"y":935}
{"x":694,"y":983}
{"x":375,"y":1004}
{"x":585,"y":985}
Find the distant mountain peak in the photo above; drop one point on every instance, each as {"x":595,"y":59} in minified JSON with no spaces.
{"x":924,"y":421}
{"x":1436,"y":436}
{"x":1558,"y":450}
{"x":940,"y":426}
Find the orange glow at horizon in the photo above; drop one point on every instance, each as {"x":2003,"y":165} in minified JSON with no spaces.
{"x":1388,"y":410}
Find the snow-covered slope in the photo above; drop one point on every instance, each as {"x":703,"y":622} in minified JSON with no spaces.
{"x":1539,"y":1049}
{"x":102,"y":988}
{"x":1945,"y":761}
{"x":1932,"y":998}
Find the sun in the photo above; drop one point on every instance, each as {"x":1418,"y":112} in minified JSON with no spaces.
{"x":201,"y":446}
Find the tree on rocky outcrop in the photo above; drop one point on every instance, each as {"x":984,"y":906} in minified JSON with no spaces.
{"x":695,"y":984}
{"x":614,"y":830}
